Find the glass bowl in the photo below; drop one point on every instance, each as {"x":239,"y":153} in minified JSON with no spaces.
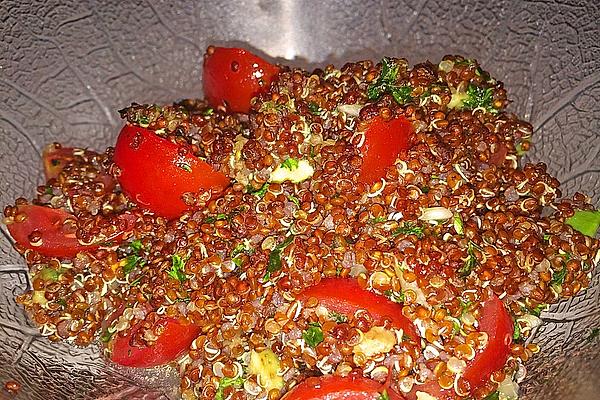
{"x":66,"y":67}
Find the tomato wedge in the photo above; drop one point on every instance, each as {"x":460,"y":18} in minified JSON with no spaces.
{"x":497,"y":323}
{"x":56,"y":229}
{"x":175,"y":339}
{"x":155,"y":173}
{"x":57,"y":235}
{"x":384,"y":141}
{"x":345,"y":296}
{"x":333,"y":387}
{"x":233,"y":76}
{"x":55,"y":159}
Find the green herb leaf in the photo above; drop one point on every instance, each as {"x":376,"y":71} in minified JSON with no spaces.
{"x":337,"y":317}
{"x":493,"y":396}
{"x":225,"y":383}
{"x":401,"y":94}
{"x":378,"y":220}
{"x":214,"y":218}
{"x":585,"y":221}
{"x":106,"y":336}
{"x":49,"y":274}
{"x":177,"y":268}
{"x":386,"y":83}
{"x":136,"y":245}
{"x":258,"y":192}
{"x":313,"y":335}
{"x":208,"y":111}
{"x":516,"y":331}
{"x":537,"y":311}
{"x":478,"y":97}
{"x":314,"y":108}
{"x":131,"y":262}
{"x":275,"y":256}
{"x":408,"y":228}
{"x":395,"y":297}
{"x":470,"y":262}
{"x":290,"y":163}
{"x":558,"y":278}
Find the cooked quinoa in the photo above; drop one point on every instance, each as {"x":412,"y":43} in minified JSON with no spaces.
{"x":457,"y":219}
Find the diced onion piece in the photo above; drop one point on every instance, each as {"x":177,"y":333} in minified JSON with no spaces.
{"x":435,"y":214}
{"x":350,"y":109}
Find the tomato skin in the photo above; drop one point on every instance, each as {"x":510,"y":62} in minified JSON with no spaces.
{"x":58,"y":239}
{"x":155,"y":173}
{"x":334,"y":387}
{"x":55,"y":158}
{"x":497,"y":323}
{"x":173,"y":342}
{"x":233,"y":76}
{"x":384,"y":141}
{"x":345,"y":296}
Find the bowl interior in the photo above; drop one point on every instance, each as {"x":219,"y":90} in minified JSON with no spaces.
{"x":66,"y":69}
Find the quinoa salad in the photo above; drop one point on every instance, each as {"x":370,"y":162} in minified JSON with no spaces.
{"x":363,"y":232}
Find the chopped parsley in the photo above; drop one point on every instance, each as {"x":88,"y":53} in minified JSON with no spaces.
{"x":274,"y":264}
{"x":337,"y":317}
{"x":386,"y":83}
{"x":378,"y":220}
{"x":237,"y":251}
{"x":225,"y":383}
{"x":177,"y":268}
{"x":516,"y":330}
{"x":131,"y":262}
{"x":314,"y":108}
{"x":106,"y":336}
{"x":537,"y":310}
{"x":558,"y":278}
{"x":477,"y":97}
{"x":136,"y":245}
{"x":290,"y":163}
{"x":260,"y":192}
{"x":313,"y":335}
{"x":470,"y":261}
{"x":214,"y":218}
{"x":395,"y":297}
{"x":408,"y":228}
{"x":493,"y":396}
{"x":208,"y":111}
{"x":585,"y":221}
